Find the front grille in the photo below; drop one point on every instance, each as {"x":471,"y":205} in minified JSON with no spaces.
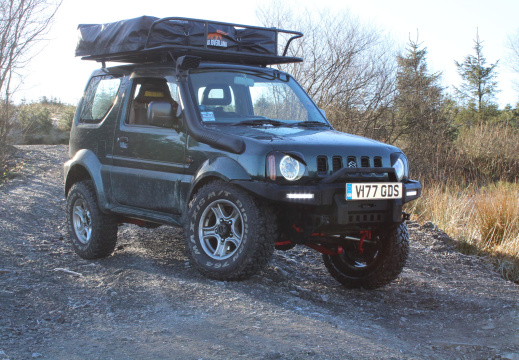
{"x":322,"y":164}
{"x":352,"y":161}
{"x":338,"y":162}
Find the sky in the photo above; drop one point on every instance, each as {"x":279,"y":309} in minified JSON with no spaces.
{"x":446,"y":27}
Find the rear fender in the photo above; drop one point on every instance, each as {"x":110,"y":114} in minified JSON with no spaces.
{"x":85,"y":165}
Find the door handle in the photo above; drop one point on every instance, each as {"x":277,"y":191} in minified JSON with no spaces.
{"x":123,"y":142}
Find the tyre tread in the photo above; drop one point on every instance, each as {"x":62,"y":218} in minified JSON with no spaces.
{"x":390,"y":268}
{"x":263,"y":248}
{"x":104,"y":235}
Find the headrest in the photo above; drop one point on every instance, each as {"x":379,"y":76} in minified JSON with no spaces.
{"x":217,"y":95}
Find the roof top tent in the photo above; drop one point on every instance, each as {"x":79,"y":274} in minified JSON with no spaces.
{"x":149,"y":39}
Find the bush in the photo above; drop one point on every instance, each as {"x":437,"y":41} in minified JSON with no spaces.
{"x":6,"y":120}
{"x":65,"y":117}
{"x":42,"y":123}
{"x":34,"y":119}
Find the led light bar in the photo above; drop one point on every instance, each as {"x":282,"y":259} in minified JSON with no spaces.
{"x":299,"y":196}
{"x":411,"y":193}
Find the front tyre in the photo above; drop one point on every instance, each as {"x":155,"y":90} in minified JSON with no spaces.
{"x":381,"y":262}
{"x":93,"y":233}
{"x":228,"y":235}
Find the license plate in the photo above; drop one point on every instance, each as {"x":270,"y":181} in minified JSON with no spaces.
{"x":373,"y":191}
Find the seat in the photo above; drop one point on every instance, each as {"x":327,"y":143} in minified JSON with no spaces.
{"x":150,"y":90}
{"x":217,"y":96}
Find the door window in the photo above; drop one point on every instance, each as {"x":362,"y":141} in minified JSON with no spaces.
{"x":148,"y":90}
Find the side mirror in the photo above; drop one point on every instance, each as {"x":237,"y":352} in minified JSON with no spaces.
{"x":162,"y":113}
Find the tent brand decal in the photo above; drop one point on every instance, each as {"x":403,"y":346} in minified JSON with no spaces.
{"x":216,"y":39}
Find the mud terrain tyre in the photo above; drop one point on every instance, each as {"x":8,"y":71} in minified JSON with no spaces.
{"x":93,"y":233}
{"x":228,"y":234}
{"x":381,"y":262}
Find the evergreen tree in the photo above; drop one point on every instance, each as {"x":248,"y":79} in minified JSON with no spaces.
{"x":419,"y":101}
{"x":479,"y":85}
{"x":421,"y":111}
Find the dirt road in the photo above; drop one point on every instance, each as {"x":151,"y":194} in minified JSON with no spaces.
{"x":147,"y":302}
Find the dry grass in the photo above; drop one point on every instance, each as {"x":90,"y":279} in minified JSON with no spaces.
{"x":481,"y":220}
{"x":488,"y":152}
{"x":480,"y":154}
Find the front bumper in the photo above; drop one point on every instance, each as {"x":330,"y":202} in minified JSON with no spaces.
{"x":326,"y":204}
{"x":316,"y":195}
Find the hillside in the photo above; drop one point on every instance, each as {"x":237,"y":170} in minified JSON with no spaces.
{"x":147,"y":302}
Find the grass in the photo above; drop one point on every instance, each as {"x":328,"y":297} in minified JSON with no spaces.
{"x":483,"y":221}
{"x":488,"y":151}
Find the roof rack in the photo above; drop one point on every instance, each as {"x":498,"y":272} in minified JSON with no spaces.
{"x":148,"y":39}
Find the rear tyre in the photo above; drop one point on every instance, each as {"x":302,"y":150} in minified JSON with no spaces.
{"x":380,"y":263}
{"x":228,"y":234}
{"x":93,"y":233}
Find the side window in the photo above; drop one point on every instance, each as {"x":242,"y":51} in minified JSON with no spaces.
{"x":146,"y":91}
{"x":99,"y":98}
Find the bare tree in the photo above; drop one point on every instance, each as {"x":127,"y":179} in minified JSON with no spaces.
{"x":348,"y":68}
{"x":23,"y":24}
{"x":513,"y":57}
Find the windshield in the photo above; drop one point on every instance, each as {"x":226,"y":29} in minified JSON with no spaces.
{"x":253,"y":98}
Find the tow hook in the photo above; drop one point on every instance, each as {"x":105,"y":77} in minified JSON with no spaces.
{"x":406,"y":216}
{"x":363,"y":236}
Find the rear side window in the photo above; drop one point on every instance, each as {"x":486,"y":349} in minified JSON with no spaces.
{"x":99,"y":98}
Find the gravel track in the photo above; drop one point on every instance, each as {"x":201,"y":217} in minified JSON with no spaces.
{"x":147,"y":302}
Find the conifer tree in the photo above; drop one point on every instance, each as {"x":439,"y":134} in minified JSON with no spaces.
{"x":479,"y":85}
{"x":420,"y":96}
{"x":420,"y":110}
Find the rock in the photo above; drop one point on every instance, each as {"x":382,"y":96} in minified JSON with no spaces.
{"x":3,"y":355}
{"x":489,"y":326}
{"x":429,"y":225}
{"x":273,"y":355}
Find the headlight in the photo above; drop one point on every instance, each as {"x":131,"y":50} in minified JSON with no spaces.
{"x":401,"y":167}
{"x":290,"y":168}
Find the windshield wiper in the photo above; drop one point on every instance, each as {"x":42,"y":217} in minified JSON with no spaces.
{"x":260,"y":122}
{"x":309,"y":124}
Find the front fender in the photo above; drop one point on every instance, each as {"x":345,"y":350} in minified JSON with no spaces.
{"x":85,"y":165}
{"x":223,"y":168}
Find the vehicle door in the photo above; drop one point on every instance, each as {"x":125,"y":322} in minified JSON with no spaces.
{"x":148,"y":157}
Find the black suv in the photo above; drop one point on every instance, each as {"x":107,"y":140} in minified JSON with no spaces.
{"x":197,"y":132}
